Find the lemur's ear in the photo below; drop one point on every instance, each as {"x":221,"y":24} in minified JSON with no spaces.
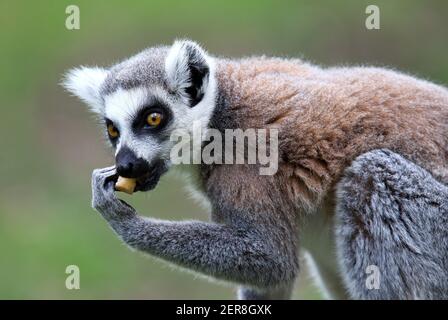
{"x":85,"y":83}
{"x":188,"y":69}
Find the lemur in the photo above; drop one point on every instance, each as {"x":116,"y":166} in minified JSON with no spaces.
{"x":361,"y":177}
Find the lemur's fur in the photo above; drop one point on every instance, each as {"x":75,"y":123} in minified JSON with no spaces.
{"x":388,"y":208}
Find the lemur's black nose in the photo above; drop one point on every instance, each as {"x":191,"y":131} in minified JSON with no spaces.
{"x":128,"y":165}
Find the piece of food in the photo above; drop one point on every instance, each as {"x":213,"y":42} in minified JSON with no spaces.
{"x":125,"y":185}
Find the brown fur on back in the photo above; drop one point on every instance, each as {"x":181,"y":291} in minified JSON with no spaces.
{"x":327,"y":117}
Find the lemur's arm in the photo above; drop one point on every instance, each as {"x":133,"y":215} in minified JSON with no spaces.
{"x":241,"y":252}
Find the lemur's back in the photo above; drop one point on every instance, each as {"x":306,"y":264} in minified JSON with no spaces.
{"x":327,"y":117}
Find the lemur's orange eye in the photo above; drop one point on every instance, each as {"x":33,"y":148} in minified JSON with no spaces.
{"x":112,"y":131}
{"x":154,"y":119}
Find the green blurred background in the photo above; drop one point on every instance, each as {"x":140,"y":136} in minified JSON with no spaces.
{"x":50,"y":145}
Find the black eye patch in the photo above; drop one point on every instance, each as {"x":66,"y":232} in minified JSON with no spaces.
{"x":108,"y":123}
{"x":139,"y":122}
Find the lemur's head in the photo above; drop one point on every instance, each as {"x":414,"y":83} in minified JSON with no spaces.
{"x":143,"y":99}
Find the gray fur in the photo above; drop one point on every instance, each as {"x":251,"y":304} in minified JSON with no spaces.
{"x":238,"y":251}
{"x":246,"y":293}
{"x":394,"y":215}
{"x":144,"y":69}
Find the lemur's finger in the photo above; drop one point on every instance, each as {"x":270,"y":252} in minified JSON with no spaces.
{"x":109,"y":184}
{"x":100,"y":178}
{"x":106,"y":170}
{"x":110,"y":178}
{"x":103,"y":174}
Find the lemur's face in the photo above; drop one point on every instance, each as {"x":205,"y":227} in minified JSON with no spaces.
{"x":142,"y":100}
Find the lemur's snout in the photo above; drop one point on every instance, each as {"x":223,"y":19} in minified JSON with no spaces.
{"x":129,"y":166}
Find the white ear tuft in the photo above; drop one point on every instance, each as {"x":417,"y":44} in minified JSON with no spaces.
{"x":85,"y":83}
{"x":187,"y":67}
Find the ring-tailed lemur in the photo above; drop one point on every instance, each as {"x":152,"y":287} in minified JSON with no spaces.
{"x":339,"y":192}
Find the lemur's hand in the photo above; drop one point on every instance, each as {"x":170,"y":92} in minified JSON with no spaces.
{"x":104,"y":199}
